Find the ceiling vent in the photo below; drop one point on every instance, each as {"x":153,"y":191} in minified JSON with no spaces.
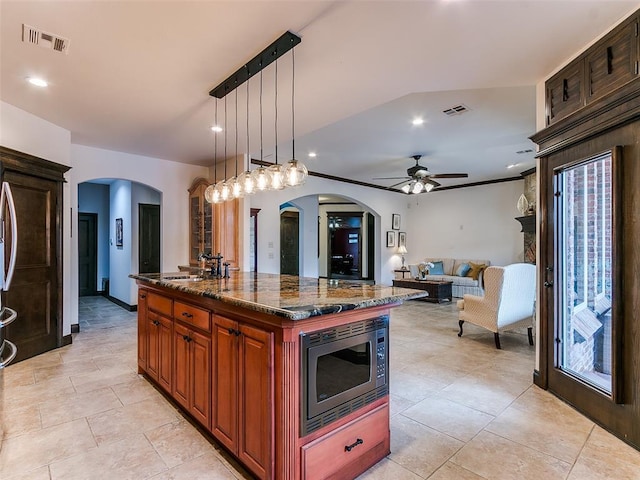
{"x":457,"y":110}
{"x":44,"y":39}
{"x":528,"y":150}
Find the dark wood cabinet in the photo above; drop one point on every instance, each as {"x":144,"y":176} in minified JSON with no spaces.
{"x":606,"y":66}
{"x":565,"y":92}
{"x":243,"y":393}
{"x":36,"y":290}
{"x":613,"y":61}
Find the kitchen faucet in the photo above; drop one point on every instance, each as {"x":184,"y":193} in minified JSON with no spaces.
{"x":216,"y":264}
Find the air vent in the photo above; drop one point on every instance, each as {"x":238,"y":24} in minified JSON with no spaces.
{"x":457,"y":110}
{"x":44,"y":39}
{"x":528,"y":150}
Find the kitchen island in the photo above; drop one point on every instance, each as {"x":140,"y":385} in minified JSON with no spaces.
{"x":238,"y":356}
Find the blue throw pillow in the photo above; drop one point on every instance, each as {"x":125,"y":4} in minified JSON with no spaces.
{"x":463,"y":269}
{"x":437,"y":269}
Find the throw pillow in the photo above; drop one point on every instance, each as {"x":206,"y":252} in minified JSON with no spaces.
{"x":463,"y":269}
{"x":437,"y":269}
{"x":475,"y":269}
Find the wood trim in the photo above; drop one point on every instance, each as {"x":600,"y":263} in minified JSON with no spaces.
{"x":617,"y":318}
{"x":75,"y":328}
{"x":32,"y":165}
{"x":531,"y":171}
{"x":477,"y":184}
{"x":67,"y":340}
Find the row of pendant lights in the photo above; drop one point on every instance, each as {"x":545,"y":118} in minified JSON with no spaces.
{"x":274,"y":177}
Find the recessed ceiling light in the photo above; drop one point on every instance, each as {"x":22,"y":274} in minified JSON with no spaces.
{"x":216,"y":128}
{"x":513,"y":165}
{"x":312,"y":154}
{"x":418,"y":121}
{"x":38,"y":82}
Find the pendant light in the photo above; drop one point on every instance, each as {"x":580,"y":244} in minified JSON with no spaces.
{"x":212,"y":193}
{"x":234,"y":183}
{"x":276,"y":171}
{"x":245,"y":178}
{"x":261,"y":176}
{"x":225,"y":190}
{"x":295,"y":172}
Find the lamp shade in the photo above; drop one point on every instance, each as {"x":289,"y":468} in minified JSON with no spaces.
{"x":402,"y":249}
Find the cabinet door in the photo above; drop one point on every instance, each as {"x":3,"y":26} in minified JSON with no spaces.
{"x":256,"y":400}
{"x":200,"y":388}
{"x":153,"y":345}
{"x":225,"y":382}
{"x":181,"y":371}
{"x":565,"y":92}
{"x":142,"y":330}
{"x":165,"y":349}
{"x":613,"y":61}
{"x":226,"y":230}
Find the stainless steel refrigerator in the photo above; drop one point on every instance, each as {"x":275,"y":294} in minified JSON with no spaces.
{"x":8,"y":253}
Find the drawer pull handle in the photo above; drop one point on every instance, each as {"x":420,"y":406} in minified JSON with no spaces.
{"x":143,"y":296}
{"x":232,"y":331}
{"x":348,"y":448}
{"x":156,"y":323}
{"x":186,"y":338}
{"x":186,"y":314}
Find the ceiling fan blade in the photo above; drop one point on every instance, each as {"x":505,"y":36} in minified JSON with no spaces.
{"x":449,"y":175}
{"x":391,"y":178}
{"x":432,"y":182}
{"x":399,"y":183}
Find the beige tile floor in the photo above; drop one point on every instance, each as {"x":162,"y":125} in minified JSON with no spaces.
{"x":460,"y":410}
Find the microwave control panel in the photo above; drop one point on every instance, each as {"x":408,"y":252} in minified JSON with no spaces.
{"x":381,"y":357}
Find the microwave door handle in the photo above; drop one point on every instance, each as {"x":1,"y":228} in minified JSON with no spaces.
{"x":6,"y":193}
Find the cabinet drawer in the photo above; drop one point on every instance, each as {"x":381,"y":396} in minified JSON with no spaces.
{"x":350,"y":449}
{"x":195,"y":316}
{"x":159,"y":304}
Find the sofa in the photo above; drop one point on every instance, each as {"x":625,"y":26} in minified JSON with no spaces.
{"x":471,"y":282}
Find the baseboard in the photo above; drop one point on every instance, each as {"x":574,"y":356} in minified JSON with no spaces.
{"x":120,"y":303}
{"x":75,"y":327}
{"x":537,"y":380}
{"x":67,"y":340}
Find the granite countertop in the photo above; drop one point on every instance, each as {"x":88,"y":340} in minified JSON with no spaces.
{"x":287,"y":296}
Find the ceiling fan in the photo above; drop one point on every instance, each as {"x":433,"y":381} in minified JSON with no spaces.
{"x":419,"y":179}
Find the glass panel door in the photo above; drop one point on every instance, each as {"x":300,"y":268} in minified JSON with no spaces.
{"x":585,"y":258}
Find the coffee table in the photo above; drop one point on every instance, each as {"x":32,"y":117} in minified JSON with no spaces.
{"x":439,"y":291}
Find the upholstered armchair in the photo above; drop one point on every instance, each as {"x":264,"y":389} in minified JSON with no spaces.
{"x":508,"y":301}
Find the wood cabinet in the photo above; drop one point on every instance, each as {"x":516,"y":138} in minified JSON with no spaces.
{"x":200,"y":221}
{"x":243,"y":393}
{"x":606,"y":66}
{"x":192,"y":372}
{"x":36,"y":289}
{"x":142,"y":330}
{"x":159,"y":339}
{"x":226,"y":230}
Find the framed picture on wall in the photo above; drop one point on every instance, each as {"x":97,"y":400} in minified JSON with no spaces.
{"x":402,"y":239}
{"x":391,"y":238}
{"x":395,"y":221}
{"x":118,"y":232}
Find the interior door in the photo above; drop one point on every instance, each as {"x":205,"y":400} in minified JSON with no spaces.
{"x":289,"y":243}
{"x":35,"y":288}
{"x":149,"y":238}
{"x":580,"y":294}
{"x":87,"y":253}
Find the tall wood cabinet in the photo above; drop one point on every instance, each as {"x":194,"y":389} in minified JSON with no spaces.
{"x":36,"y":289}
{"x":212,"y":228}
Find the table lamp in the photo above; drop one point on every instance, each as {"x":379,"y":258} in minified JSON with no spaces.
{"x":402,"y":250}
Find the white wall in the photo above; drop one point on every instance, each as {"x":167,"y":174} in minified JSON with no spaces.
{"x":27,"y":133}
{"x":381,"y":204}
{"x":473,"y":222}
{"x":170,"y":179}
{"x":120,"y":256}
{"x":94,"y":198}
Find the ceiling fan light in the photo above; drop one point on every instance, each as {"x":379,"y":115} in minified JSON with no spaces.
{"x":428,"y":187}
{"x":295,"y":173}
{"x":417,"y":187}
{"x":406,"y":188}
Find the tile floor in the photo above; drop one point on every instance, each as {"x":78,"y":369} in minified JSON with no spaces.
{"x":460,"y":410}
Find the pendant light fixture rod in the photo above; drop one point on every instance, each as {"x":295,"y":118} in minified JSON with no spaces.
{"x":293,"y":97}
{"x":278,"y":48}
{"x":236,"y":159}
{"x":225,"y":139}
{"x":276,"y":110}
{"x":215,"y":149}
